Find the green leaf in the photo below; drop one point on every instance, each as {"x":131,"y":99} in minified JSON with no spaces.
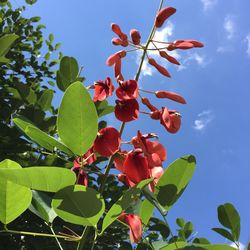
{"x":4,"y":60}
{"x":229,"y":218}
{"x":45,"y":99}
{"x":40,"y":137}
{"x":10,"y":193}
{"x":68,"y":72}
{"x":79,"y":205}
{"x":146,"y":211}
{"x":103,"y":108}
{"x":6,"y":42}
{"x":174,"y":181}
{"x":223,"y":232}
{"x":170,"y":186}
{"x":48,"y":179}
{"x":180,"y":222}
{"x":159,"y":244}
{"x":41,"y":206}
{"x":30,"y":1}
{"x":248,"y":246}
{"x":186,"y":246}
{"x":123,"y":203}
{"x":51,"y":37}
{"x":77,"y":120}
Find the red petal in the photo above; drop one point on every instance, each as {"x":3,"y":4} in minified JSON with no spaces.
{"x":158,"y":148}
{"x":119,"y":160}
{"x":146,"y":102}
{"x":127,"y":110}
{"x":136,"y":167}
{"x":127,"y":90}
{"x":135,"y":225}
{"x":107,"y":142}
{"x":170,"y":95}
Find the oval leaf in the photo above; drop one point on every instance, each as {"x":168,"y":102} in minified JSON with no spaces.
{"x":77,"y":120}
{"x":45,"y":99}
{"x":5,"y":43}
{"x":48,"y":179}
{"x":229,"y":218}
{"x":174,"y":181}
{"x":79,"y":205}
{"x":10,"y":193}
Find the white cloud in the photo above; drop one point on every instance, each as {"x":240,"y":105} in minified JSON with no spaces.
{"x":229,"y":26}
{"x":248,"y":44}
{"x":203,"y":119}
{"x":208,"y":4}
{"x":242,"y":246}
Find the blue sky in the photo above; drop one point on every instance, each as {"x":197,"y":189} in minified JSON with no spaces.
{"x":214,"y":81}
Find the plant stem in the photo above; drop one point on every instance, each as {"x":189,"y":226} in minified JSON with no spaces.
{"x":32,"y":234}
{"x":58,"y":242}
{"x":81,"y":243}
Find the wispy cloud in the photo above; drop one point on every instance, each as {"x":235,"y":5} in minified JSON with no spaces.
{"x":229,"y":26}
{"x":203,"y":119}
{"x":248,"y":44}
{"x":208,"y":4}
{"x":198,"y":58}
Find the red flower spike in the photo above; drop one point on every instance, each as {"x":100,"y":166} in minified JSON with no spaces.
{"x":146,"y":102}
{"x":81,"y":176}
{"x":170,"y":95}
{"x":136,"y":167}
{"x":127,"y":90}
{"x":135,"y":36}
{"x":115,"y":57}
{"x":161,"y":69}
{"x":171,"y":120}
{"x":163,"y":15}
{"x":135,"y":226}
{"x":127,"y":110}
{"x":107,"y":141}
{"x":171,"y":59}
{"x":103,"y":89}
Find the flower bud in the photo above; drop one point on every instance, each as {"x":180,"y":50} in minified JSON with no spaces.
{"x":163,"y":15}
{"x":170,"y":95}
{"x":146,"y":102}
{"x":161,"y":69}
{"x":135,"y":36}
{"x":171,"y":59}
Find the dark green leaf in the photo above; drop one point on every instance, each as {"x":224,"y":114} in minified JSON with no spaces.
{"x":79,"y":205}
{"x":103,"y":108}
{"x":223,"y":232}
{"x":6,"y":42}
{"x":229,"y":218}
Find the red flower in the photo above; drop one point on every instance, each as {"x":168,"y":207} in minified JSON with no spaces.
{"x":127,"y":110}
{"x":136,"y":166}
{"x":171,"y":120}
{"x":161,"y":69}
{"x":115,"y":57}
{"x":107,"y":141}
{"x":127,"y":90}
{"x":163,"y":15}
{"x":103,"y":89}
{"x":170,"y":95}
{"x":81,"y":176}
{"x":135,"y":36}
{"x":135,"y":226}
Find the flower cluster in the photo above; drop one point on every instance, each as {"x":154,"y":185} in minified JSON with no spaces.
{"x":146,"y":158}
